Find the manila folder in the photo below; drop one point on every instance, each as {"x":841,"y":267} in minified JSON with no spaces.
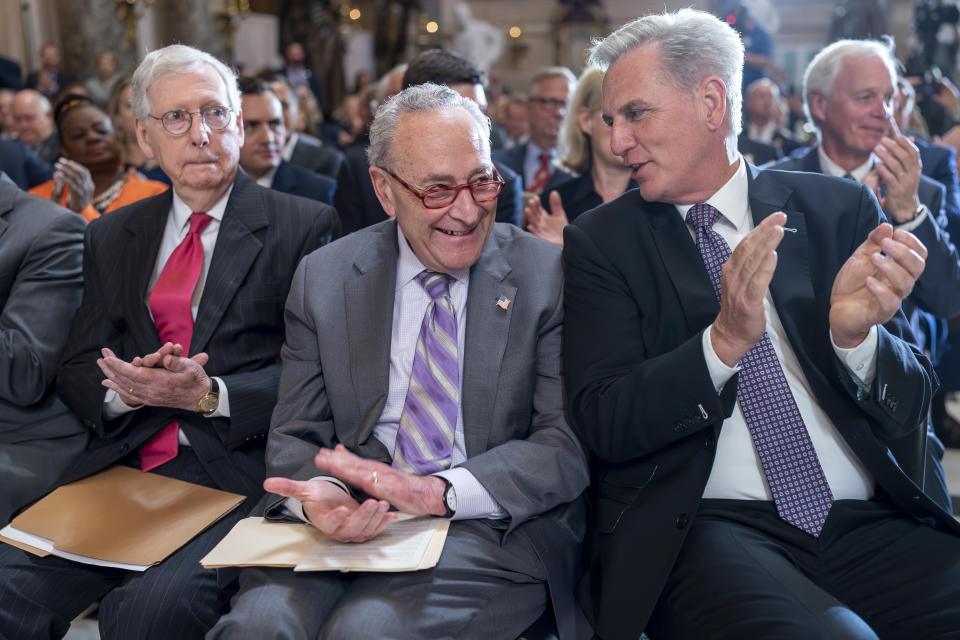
{"x":408,"y":544}
{"x":125,"y":516}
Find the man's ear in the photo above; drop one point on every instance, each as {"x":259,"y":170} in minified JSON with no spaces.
{"x":713,"y":101}
{"x":818,"y":106}
{"x":141,"y":128}
{"x":381,"y":186}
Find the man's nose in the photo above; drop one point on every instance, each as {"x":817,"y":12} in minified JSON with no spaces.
{"x":199,"y":132}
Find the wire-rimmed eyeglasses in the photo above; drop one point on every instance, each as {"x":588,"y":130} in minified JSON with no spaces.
{"x":178,"y":121}
{"x":440,"y":197}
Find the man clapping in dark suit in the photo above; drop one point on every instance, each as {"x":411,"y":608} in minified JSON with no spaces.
{"x":261,"y":155}
{"x":738,"y":364}
{"x":438,"y":327}
{"x":173,"y":357}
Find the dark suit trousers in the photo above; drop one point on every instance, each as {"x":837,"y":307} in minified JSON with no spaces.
{"x":175,"y":599}
{"x":744,"y":573}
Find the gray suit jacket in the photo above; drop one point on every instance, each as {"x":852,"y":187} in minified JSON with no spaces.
{"x":336,"y":365}
{"x":40,"y":285}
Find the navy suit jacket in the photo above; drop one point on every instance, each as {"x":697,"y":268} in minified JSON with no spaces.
{"x":239,"y":323}
{"x":298,"y":181}
{"x":638,"y":299}
{"x":513,"y":157}
{"x":940,"y":164}
{"x":934,"y":296}
{"x":22,"y":164}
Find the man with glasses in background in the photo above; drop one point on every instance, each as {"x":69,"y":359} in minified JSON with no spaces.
{"x":172,"y":360}
{"x":438,"y":327}
{"x":549,"y":90}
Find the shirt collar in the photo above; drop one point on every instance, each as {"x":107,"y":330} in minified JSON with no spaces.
{"x":181,"y":212}
{"x":409,"y":266}
{"x":831,"y":168}
{"x":266,"y":180}
{"x":731,"y":200}
{"x":291,"y":143}
{"x":533,"y":151}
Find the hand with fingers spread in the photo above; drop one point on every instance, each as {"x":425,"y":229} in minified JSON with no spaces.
{"x":331,"y":509}
{"x":548,"y":226}
{"x":160,"y":379}
{"x":872,"y":283}
{"x":746,"y":276}
{"x":899,"y":171}
{"x":77,"y":180}
{"x":409,"y":493}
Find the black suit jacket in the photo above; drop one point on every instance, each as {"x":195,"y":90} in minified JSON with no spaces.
{"x":310,"y":153}
{"x":640,"y":396}
{"x":298,"y":181}
{"x":358,"y":206}
{"x":239,"y":324}
{"x":934,"y":296}
{"x":514,"y":156}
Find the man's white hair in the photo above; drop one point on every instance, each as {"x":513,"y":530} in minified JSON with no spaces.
{"x":177,"y":59}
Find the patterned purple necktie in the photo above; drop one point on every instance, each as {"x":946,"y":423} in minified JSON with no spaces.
{"x":793,"y":471}
{"x":425,"y":437}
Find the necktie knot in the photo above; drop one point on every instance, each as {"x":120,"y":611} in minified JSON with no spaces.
{"x":198,"y":222}
{"x":436,"y":284}
{"x":702,"y":216}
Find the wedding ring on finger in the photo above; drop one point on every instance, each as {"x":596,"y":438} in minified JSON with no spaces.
{"x":130,"y":390}
{"x":375,"y":477}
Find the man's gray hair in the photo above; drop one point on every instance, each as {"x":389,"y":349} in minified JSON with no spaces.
{"x":416,"y":99}
{"x":822,"y":71}
{"x":692,"y":46}
{"x":177,"y":59}
{"x":551,"y":72}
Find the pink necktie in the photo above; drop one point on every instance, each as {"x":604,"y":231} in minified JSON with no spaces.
{"x":170,"y":304}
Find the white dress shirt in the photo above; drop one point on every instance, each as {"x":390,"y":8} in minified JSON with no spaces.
{"x":174,"y":231}
{"x":737,"y":472}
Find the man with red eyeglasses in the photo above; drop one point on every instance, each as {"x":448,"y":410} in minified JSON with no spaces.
{"x":421,"y":371}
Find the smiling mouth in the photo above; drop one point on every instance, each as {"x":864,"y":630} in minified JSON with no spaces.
{"x":454,"y":233}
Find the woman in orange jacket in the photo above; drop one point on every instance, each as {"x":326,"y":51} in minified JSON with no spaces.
{"x":89,"y":177}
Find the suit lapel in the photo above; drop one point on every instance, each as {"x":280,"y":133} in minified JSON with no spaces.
{"x":792,"y":283}
{"x":138,"y":256}
{"x":684,"y":265}
{"x":7,"y":193}
{"x":235,"y":252}
{"x":368,"y":300}
{"x":487,"y":330}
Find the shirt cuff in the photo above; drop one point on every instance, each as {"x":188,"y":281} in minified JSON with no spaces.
{"x":114,"y":407}
{"x":473,"y":501}
{"x":720,"y":373}
{"x":223,"y":405}
{"x":861,"y":360}
{"x":910,"y":225}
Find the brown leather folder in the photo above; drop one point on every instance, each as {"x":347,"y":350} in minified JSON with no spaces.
{"x":124,"y":516}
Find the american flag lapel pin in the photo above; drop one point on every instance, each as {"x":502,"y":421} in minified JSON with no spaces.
{"x":503,"y":302}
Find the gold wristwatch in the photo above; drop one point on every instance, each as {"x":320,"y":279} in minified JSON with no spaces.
{"x":211,"y":400}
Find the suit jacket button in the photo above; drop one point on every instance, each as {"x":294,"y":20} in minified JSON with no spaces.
{"x":124,"y":447}
{"x":710,"y":443}
{"x":89,"y":423}
{"x":682,"y":521}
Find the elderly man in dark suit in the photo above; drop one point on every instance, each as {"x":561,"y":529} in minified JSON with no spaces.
{"x":173,"y":356}
{"x":261,"y":155}
{"x":41,"y":247}
{"x":440,"y":307}
{"x":738,"y":365}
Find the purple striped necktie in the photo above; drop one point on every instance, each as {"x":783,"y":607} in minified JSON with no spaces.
{"x":425,"y":437}
{"x":793,"y":471}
